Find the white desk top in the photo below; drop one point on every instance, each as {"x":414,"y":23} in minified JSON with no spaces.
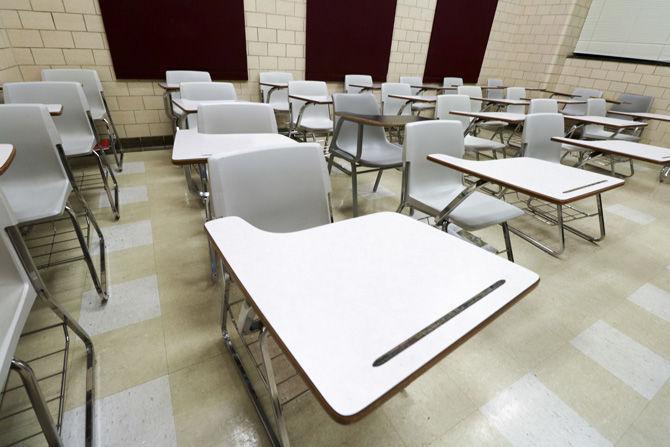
{"x":192,"y":147}
{"x":7,"y":153}
{"x":630,"y":149}
{"x":514,"y":118}
{"x":165,"y":86}
{"x":416,"y":98}
{"x":643,"y":115}
{"x":400,"y":276}
{"x":315,"y":99}
{"x":553,"y":182}
{"x":55,"y":109}
{"x":607,"y":121}
{"x":509,"y":102}
{"x":277,"y":85}
{"x":191,"y":106}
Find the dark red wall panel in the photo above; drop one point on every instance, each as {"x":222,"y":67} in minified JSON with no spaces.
{"x":148,"y":37}
{"x":348,"y":37}
{"x":458,"y":41}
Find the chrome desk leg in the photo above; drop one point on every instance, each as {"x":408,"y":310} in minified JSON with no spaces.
{"x":377,"y":180}
{"x":36,"y":397}
{"x":26,"y":260}
{"x":508,"y":242}
{"x":100,"y":282}
{"x":545,"y":248}
{"x":664,"y":174}
{"x":117,"y":140}
{"x":272,"y":383}
{"x":239,"y":366}
{"x":354,"y":190}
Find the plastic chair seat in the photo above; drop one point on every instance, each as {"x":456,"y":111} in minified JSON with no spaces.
{"x":74,"y":146}
{"x":477,"y":211}
{"x":316,"y":123}
{"x":98,"y":114}
{"x":422,"y":106}
{"x":15,"y":305}
{"x":473,"y":143}
{"x":492,"y":124}
{"x":601,"y":134}
{"x":31,"y":202}
{"x":377,"y":154}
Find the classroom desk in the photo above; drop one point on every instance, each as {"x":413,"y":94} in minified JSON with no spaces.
{"x":365,"y":88}
{"x":168,"y":87}
{"x":629,"y":149}
{"x":386,"y":121}
{"x":359,"y":343}
{"x":7,"y":153}
{"x":514,"y":119}
{"x":553,"y":93}
{"x":308,"y":100}
{"x":644,"y":116}
{"x":274,"y":86}
{"x":189,"y":106}
{"x":617,"y":124}
{"x":55,"y":109}
{"x":554,"y":183}
{"x":411,"y":99}
{"x":193,"y":147}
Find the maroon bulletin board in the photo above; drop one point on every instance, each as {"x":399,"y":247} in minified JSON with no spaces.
{"x":348,"y":37}
{"x":458,"y":41}
{"x":148,"y":37}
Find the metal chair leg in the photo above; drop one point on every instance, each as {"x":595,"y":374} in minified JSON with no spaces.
{"x":354,"y":190}
{"x":508,"y":242}
{"x":100,"y":283}
{"x":24,"y":255}
{"x":105,"y":172}
{"x":115,"y":145}
{"x":377,"y":180}
{"x":34,"y":392}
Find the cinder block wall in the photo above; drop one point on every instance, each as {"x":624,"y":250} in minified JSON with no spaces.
{"x":529,"y":45}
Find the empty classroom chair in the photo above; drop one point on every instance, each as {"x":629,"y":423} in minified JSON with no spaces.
{"x":177,"y":77}
{"x":598,"y":107}
{"x":232,"y":117}
{"x":418,"y":107}
{"x":496,"y":93}
{"x":515,"y":93}
{"x":543,"y":105}
{"x":75,"y":126}
{"x":313,"y":118}
{"x":475,"y":91}
{"x":376,"y":152}
{"x":206,"y":91}
{"x":90,"y":82}
{"x":430,"y":188}
{"x":538,"y":130}
{"x":358,"y":80}
{"x":461,"y":103}
{"x":580,"y":93}
{"x":276,"y":97}
{"x":452,"y":82}
{"x":393,"y":106}
{"x":629,"y":102}
{"x":37,"y":187}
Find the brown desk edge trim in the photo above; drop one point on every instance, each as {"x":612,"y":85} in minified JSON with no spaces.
{"x":345,"y":420}
{"x":9,"y":161}
{"x":523,"y":190}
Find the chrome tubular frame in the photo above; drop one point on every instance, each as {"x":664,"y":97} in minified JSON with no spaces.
{"x":21,"y":249}
{"x":664,"y":174}
{"x":117,"y":147}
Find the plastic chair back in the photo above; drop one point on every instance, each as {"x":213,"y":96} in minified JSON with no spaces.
{"x":278,"y":189}
{"x":236,"y":117}
{"x":538,"y":130}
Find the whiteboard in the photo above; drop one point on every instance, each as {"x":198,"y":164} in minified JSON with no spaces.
{"x":636,"y":29}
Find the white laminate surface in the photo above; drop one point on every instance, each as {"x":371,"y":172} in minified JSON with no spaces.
{"x":341,"y":295}
{"x":510,"y":102}
{"x":607,"y":121}
{"x":643,"y":115}
{"x":190,"y":146}
{"x":191,"y":106}
{"x":316,"y":99}
{"x":553,"y":182}
{"x":638,"y":151}
{"x":416,"y":98}
{"x":494,"y":116}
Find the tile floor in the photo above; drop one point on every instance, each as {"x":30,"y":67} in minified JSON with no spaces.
{"x":583,"y":360}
